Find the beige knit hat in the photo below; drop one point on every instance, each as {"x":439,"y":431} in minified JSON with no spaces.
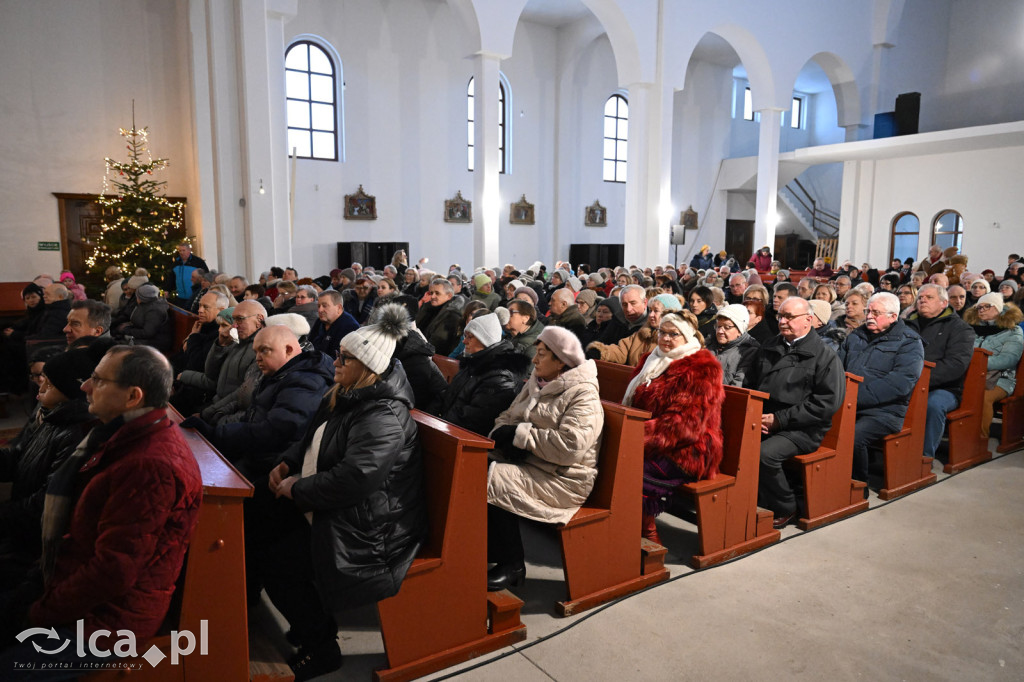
{"x":374,"y":345}
{"x":821,"y":310}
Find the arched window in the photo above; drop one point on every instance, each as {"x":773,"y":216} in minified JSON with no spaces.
{"x":616,"y":124}
{"x":906,"y":229}
{"x":948,"y":229}
{"x":312,"y":93}
{"x":503,"y":130}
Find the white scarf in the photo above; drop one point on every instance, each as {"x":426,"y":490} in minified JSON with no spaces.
{"x":658,"y":361}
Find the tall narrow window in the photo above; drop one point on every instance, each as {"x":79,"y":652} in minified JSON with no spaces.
{"x":948,"y":229}
{"x":502,"y":128}
{"x":748,"y":105}
{"x":312,"y":111}
{"x":616,"y":126}
{"x":906,"y":229}
{"x":796,"y":113}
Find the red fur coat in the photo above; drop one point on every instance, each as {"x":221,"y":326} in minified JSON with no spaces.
{"x":686,"y":401}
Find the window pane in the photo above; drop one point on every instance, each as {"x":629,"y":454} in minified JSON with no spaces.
{"x":322,"y":88}
{"x":318,"y":61}
{"x":623,"y":107}
{"x":296,"y":85}
{"x":471,"y":133}
{"x":501,"y":114}
{"x":620,"y":171}
{"x":609,"y":127}
{"x":299,"y":140}
{"x":748,"y":106}
{"x":609,"y":171}
{"x":323,"y":145}
{"x":609,"y":149}
{"x":623,"y":128}
{"x":620,"y":151}
{"x":469,"y":161}
{"x":948,"y":222}
{"x":298,"y":114}
{"x":469,"y":88}
{"x":908,"y":222}
{"x":296,"y":58}
{"x":795,"y":113}
{"x":469,"y":108}
{"x":610,"y":107}
{"x":945,"y":240}
{"x":904,"y":246}
{"x":323,"y":117}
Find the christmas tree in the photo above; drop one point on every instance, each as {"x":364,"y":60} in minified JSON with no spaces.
{"x":139,"y":228}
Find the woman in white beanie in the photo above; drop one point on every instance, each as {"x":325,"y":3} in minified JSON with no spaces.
{"x":358,"y":516}
{"x":996,"y":325}
{"x":680,"y":384}
{"x":545,"y":451}
{"x":736,"y":350}
{"x":491,"y":373}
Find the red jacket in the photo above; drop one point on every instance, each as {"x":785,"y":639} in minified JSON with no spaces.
{"x":686,"y":401}
{"x":126,"y":540}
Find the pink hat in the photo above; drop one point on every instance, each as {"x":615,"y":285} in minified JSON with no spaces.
{"x":564,"y":344}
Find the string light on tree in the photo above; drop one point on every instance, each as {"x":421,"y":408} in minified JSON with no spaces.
{"x":139,"y":228}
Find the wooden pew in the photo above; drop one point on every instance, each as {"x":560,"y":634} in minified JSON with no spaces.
{"x":1012,"y":436}
{"x":182,"y":326}
{"x":214,"y":584}
{"x":11,"y":303}
{"x":729,"y":522}
{"x":449,"y":366}
{"x":830,"y":493}
{"x":906,"y":469}
{"x":603,"y":555}
{"x":967,"y":447}
{"x":613,"y":379}
{"x":443,"y":614}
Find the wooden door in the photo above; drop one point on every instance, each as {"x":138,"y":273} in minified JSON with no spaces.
{"x":80,"y":218}
{"x":739,"y":239}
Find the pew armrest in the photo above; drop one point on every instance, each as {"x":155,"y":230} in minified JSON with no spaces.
{"x":708,"y":486}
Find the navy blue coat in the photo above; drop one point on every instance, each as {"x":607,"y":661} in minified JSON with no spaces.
{"x":890,"y":362}
{"x":326,"y":339}
{"x":949,"y":343}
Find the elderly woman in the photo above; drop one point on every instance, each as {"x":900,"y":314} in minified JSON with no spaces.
{"x":735,"y":349}
{"x":996,"y":328}
{"x":680,"y":384}
{"x":349,"y":514}
{"x":856,"y":303}
{"x":545,"y":456}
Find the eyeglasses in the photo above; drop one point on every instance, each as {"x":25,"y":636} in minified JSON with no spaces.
{"x":342,"y":358}
{"x":35,"y":376}
{"x":789,"y":317}
{"x":98,"y":381}
{"x":877,"y":313}
{"x":669,"y":334}
{"x":726,"y":327}
{"x":985,"y":307}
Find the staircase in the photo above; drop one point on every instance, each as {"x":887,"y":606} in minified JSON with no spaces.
{"x":823,"y":224}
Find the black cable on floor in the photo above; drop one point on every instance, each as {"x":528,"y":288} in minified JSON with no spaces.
{"x":600,"y":609}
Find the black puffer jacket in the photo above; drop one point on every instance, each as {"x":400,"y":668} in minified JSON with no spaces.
{"x":440,"y":326}
{"x":486,"y":384}
{"x":31,"y":323}
{"x":740,"y":360}
{"x":417,"y":358}
{"x":949,"y":343}
{"x":369,"y":514}
{"x":38,"y":451}
{"x":55,"y":318}
{"x":281,"y":408}
{"x":149,"y":325}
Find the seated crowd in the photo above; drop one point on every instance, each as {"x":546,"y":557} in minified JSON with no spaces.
{"x":306,"y":386}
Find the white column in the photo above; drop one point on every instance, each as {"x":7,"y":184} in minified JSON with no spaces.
{"x":766,"y":215}
{"x":648,"y":176}
{"x":487,"y":202}
{"x":855,"y":214}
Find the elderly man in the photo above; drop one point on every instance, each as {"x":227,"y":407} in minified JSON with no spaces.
{"x":359,"y":300}
{"x":438,"y":319}
{"x":179,"y":280}
{"x":819,"y":270}
{"x":932,"y":264}
{"x":842,"y":285}
{"x":890,"y":357}
{"x":87,"y":320}
{"x":56,"y":306}
{"x":565,"y":313}
{"x":285,"y":400}
{"x":523,"y":326}
{"x":633,"y":308}
{"x":248,"y":317}
{"x":805,"y":288}
{"x":237,"y":285}
{"x":957,"y":299}
{"x":195,"y":386}
{"x":121,"y":510}
{"x":737,"y":285}
{"x":806,"y":384}
{"x":949,"y":343}
{"x":332,"y":324}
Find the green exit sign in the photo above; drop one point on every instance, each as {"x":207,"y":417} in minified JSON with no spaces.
{"x":49,"y":246}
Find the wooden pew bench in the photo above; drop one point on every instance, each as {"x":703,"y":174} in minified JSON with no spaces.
{"x":906,"y":468}
{"x":443,"y":614}
{"x":729,"y":522}
{"x":830,"y":493}
{"x":213,"y":589}
{"x":181,"y":324}
{"x":603,"y":555}
{"x":967,"y":447}
{"x":449,"y":366}
{"x":1012,"y":436}
{"x":11,"y":303}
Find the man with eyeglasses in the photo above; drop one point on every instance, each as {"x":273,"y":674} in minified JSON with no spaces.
{"x":890,"y":357}
{"x":234,"y":360}
{"x":359,"y":300}
{"x":120,"y":511}
{"x":949,"y":343}
{"x":806,"y":384}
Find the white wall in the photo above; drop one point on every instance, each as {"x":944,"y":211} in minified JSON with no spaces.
{"x":928,"y":185}
{"x":70,"y":72}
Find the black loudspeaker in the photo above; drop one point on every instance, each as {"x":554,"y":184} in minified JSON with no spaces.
{"x":373,"y":254}
{"x":908,"y":110}
{"x":596,"y":255}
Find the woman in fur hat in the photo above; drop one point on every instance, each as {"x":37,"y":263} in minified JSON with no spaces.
{"x":357,"y":515}
{"x":680,"y":384}
{"x":996,"y":328}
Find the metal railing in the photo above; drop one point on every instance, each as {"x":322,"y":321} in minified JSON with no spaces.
{"x":823,"y":222}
